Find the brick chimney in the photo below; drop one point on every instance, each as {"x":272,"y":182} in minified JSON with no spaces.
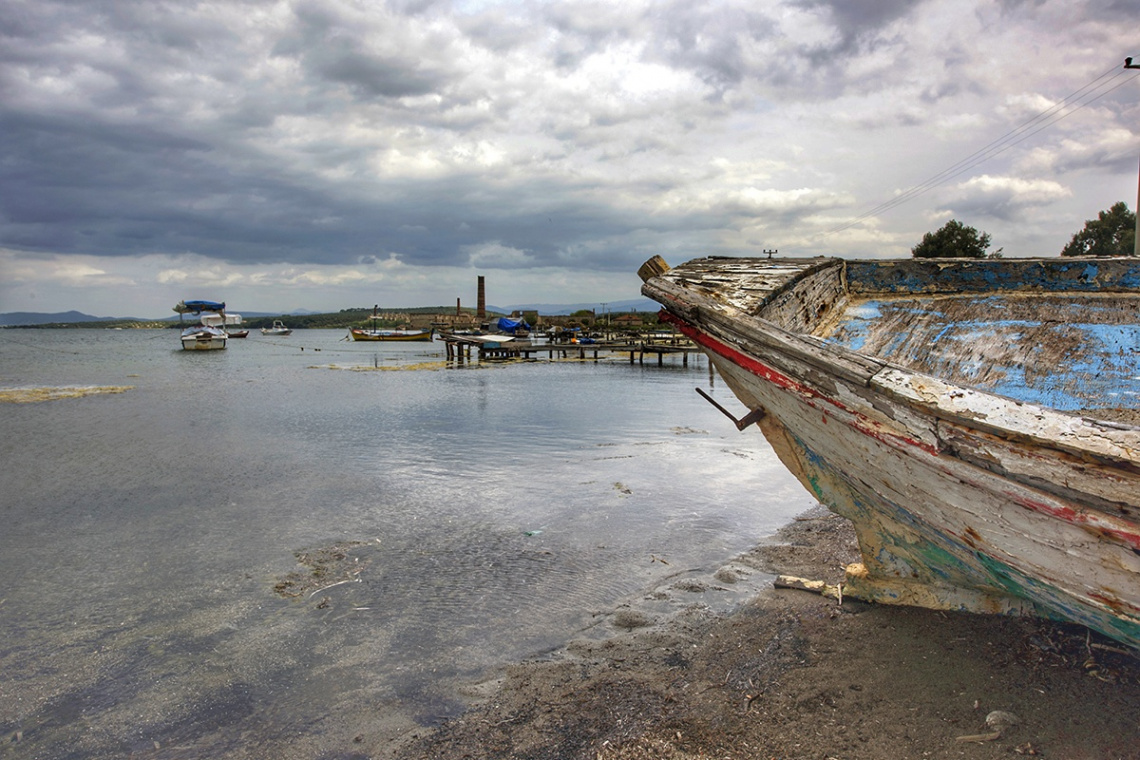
{"x":481,"y":312}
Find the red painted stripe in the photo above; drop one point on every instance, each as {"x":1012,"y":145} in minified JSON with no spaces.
{"x":1118,"y":606}
{"x":860,"y":422}
{"x":1102,"y":524}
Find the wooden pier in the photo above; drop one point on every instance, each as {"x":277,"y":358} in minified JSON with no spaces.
{"x":461,"y":348}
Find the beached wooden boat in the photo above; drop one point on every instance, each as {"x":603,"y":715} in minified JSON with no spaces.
{"x":977,"y":420}
{"x":358,"y":333}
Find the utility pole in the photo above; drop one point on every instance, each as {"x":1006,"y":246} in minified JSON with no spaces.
{"x":1128,"y":64}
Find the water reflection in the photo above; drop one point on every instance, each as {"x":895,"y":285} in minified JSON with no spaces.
{"x":493,"y":514}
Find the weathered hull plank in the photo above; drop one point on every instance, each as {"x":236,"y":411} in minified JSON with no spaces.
{"x":1064,"y":352}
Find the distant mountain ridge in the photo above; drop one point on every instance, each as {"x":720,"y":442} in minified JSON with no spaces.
{"x":17,"y":318}
{"x":20,"y":318}
{"x":556,"y":310}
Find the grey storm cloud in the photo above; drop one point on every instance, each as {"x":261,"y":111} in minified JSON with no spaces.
{"x":128,"y":167}
{"x":576,"y":133}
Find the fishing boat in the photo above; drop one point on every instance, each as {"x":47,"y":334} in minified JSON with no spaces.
{"x":278,"y":328}
{"x":380,"y":333}
{"x":978,"y":421}
{"x":358,"y":333}
{"x":203,"y":336}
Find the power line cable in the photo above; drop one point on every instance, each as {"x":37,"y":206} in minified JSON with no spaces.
{"x":1077,"y":100}
{"x":995,"y":148}
{"x":989,"y":151}
{"x":984,"y":155}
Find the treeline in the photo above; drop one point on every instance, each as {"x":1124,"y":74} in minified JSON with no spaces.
{"x":1112,"y":233}
{"x":340,"y":320}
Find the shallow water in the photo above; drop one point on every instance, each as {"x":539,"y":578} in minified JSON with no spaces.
{"x":487,"y":513}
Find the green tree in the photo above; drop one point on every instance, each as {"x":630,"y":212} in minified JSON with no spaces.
{"x":953,"y":240}
{"x":1112,"y":233}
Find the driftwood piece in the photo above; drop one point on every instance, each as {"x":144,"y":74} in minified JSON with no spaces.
{"x":806,"y":584}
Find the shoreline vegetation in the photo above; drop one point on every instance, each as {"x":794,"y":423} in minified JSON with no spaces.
{"x":792,"y":674}
{"x":417,"y":317}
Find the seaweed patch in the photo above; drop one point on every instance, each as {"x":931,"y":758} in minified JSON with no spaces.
{"x":36,"y":395}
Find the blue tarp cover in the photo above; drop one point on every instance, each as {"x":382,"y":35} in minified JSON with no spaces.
{"x":197,"y":307}
{"x":510,"y":325}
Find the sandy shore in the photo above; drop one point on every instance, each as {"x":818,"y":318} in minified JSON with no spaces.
{"x":795,"y":675}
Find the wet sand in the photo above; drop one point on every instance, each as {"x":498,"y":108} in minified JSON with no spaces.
{"x":795,"y":675}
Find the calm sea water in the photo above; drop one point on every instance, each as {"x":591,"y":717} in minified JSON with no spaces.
{"x":486,"y":513}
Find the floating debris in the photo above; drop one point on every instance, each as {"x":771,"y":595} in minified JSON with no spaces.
{"x":328,"y":566}
{"x":36,"y":395}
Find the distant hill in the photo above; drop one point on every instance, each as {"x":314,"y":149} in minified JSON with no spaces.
{"x":23,"y":318}
{"x":556,"y":310}
{"x":17,"y":318}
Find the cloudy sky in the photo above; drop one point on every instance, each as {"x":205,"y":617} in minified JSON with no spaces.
{"x":325,"y":154}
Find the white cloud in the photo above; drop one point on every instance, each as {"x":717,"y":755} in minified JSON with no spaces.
{"x":1003,"y":197}
{"x":55,"y":270}
{"x":495,"y":255}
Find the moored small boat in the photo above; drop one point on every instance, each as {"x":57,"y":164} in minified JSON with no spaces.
{"x":229,"y":322}
{"x":359,"y":333}
{"x":278,"y":328}
{"x":203,"y":338}
{"x":976,"y":420}
{"x":207,"y":335}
